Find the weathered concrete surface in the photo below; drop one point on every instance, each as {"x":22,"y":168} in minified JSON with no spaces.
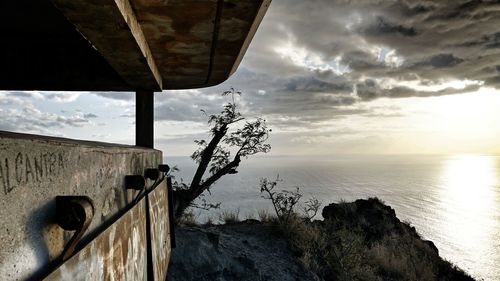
{"x":244,"y":251}
{"x":34,"y":170}
{"x":117,"y":254}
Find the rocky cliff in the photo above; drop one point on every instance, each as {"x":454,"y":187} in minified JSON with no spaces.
{"x":243,"y":251}
{"x":362,"y":240}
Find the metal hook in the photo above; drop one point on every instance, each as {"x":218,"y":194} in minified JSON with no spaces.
{"x":164,"y":168}
{"x":74,"y":213}
{"x":152,"y":174}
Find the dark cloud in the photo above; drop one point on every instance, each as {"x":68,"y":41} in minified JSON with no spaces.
{"x":316,"y":60}
{"x":54,"y":96}
{"x":305,"y":68}
{"x":382,"y":27}
{"x":89,"y":115}
{"x":21,"y":94}
{"x":61,"y":96}
{"x":369,"y":90}
{"x":312,"y":84}
{"x":441,"y":61}
{"x":405,"y":92}
{"x":384,"y":115}
{"x":31,"y":120}
{"x":189,"y":138}
{"x":342,"y":45}
{"x":427,"y":32}
{"x":360,"y":61}
{"x":122,"y":96}
{"x":187,"y":105}
{"x":492,"y":41}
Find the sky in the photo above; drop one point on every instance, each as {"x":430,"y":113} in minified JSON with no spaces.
{"x":330,"y":77}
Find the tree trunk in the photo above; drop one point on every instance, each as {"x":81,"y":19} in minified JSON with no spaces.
{"x":184,"y":198}
{"x":206,"y":156}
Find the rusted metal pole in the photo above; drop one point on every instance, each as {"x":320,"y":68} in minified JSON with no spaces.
{"x":144,"y":118}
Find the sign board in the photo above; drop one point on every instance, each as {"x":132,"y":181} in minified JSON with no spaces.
{"x":160,"y":230}
{"x":118,"y":254}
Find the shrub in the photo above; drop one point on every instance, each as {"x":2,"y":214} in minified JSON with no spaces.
{"x":188,"y":218}
{"x":265,"y":216}
{"x":283,"y":202}
{"x":311,"y":208}
{"x":332,"y":254}
{"x":249,"y":216}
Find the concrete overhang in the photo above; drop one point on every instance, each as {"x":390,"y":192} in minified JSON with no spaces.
{"x":124,"y":45}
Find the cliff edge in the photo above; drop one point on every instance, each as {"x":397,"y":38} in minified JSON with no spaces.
{"x":241,"y":251}
{"x":361,"y":240}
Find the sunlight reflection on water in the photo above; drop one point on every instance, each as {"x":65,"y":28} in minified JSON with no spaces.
{"x":453,"y":201}
{"x":468,"y":207}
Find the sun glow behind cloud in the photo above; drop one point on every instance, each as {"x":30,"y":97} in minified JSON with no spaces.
{"x":466,"y":123}
{"x":418,"y":71}
{"x":434,"y":87}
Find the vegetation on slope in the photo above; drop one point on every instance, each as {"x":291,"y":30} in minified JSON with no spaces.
{"x":364,"y":240}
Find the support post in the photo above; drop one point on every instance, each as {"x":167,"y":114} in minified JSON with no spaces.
{"x":144,"y":118}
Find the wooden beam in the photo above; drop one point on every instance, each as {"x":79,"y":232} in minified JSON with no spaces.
{"x":253,"y":29}
{"x":144,"y":118}
{"x":198,"y":43}
{"x":239,"y":21}
{"x":112,"y":28}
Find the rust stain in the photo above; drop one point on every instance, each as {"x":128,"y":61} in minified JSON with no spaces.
{"x":180,"y":35}
{"x":118,"y":254}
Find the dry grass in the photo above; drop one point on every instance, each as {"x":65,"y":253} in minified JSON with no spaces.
{"x":230,"y":216}
{"x":403,"y":258}
{"x":264,"y":216}
{"x":209,"y":222}
{"x":188,"y":219}
{"x":336,"y":252}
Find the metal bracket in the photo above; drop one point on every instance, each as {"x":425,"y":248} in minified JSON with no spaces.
{"x":164,"y":168}
{"x":74,"y":213}
{"x":152,"y":174}
{"x":136,"y":182}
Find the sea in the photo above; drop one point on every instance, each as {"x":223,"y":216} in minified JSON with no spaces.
{"x":452,"y":200}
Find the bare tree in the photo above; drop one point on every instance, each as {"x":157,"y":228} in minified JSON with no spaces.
{"x":223,"y":153}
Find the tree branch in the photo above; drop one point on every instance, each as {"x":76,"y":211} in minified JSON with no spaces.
{"x":228,"y":169}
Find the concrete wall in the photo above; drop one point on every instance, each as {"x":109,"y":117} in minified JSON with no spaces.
{"x":34,"y":170}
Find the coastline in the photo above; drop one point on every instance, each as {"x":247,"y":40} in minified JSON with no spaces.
{"x":451,"y":200}
{"x":381,"y":248}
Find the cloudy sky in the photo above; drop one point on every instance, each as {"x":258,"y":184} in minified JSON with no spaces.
{"x":330,"y":76}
